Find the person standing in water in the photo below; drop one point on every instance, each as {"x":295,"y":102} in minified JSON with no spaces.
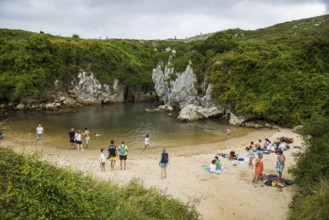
{"x":147,"y":143}
{"x":163,"y":163}
{"x":87,"y":137}
{"x":78,"y":140}
{"x":72,"y":136}
{"x":40,"y":131}
{"x":228,"y":132}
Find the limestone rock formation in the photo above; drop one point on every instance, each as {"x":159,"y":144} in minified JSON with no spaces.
{"x":179,"y":90}
{"x":194,"y":113}
{"x":236,"y":120}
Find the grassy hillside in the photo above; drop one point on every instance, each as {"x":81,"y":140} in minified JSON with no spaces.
{"x":279,"y":73}
{"x":32,"y":189}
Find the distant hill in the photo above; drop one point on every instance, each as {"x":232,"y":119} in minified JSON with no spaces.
{"x":278,"y":73}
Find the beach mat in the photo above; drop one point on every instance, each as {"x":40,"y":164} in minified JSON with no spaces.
{"x":205,"y":167}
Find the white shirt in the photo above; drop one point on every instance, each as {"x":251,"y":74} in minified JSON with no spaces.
{"x":77,"y":137}
{"x":212,"y":168}
{"x":102,"y":158}
{"x":147,"y":141}
{"x":39,"y":130}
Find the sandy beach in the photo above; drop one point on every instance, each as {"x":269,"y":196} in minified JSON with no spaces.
{"x":228,"y":195}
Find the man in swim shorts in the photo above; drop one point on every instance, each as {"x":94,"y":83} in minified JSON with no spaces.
{"x":280,"y":164}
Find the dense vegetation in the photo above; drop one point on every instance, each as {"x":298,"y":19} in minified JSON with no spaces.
{"x":311,"y":172}
{"x":32,"y":189}
{"x":280,"y":73}
{"x":30,"y":63}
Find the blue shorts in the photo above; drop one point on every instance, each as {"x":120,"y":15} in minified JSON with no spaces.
{"x":163,"y":165}
{"x":279,"y":169}
{"x":78,"y":142}
{"x":40,"y":136}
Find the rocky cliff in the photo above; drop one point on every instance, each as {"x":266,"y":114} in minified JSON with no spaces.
{"x":89,"y":90}
{"x":179,"y":90}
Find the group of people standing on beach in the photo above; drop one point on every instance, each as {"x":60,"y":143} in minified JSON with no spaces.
{"x":259,"y":148}
{"x":114,"y":151}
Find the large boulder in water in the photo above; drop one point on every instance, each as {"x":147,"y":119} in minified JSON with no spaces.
{"x":195,"y":113}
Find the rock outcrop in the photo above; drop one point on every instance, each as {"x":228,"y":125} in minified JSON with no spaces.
{"x":236,"y":120}
{"x":90,"y":91}
{"x":195,"y":113}
{"x":179,"y":90}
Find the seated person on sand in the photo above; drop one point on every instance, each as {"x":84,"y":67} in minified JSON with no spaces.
{"x":232,"y":155}
{"x":282,"y":146}
{"x":261,"y":145}
{"x":212,"y":167}
{"x":218,"y":164}
{"x":258,"y":147}
{"x":268,"y":144}
{"x":287,"y":140}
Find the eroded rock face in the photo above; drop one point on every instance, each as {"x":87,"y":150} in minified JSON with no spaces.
{"x":89,"y":91}
{"x":179,"y":89}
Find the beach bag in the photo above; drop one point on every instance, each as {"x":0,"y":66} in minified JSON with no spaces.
{"x":122,"y":149}
{"x":164,"y":158}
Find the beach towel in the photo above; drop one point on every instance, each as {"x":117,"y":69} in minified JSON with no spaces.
{"x":205,"y":167}
{"x":262,"y":152}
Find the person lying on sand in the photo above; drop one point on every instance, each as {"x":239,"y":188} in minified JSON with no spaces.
{"x":97,"y":134}
{"x":229,"y":156}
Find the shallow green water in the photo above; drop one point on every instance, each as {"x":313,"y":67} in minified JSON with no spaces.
{"x":128,"y":122}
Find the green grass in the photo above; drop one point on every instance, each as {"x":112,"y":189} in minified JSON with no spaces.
{"x":34,"y":189}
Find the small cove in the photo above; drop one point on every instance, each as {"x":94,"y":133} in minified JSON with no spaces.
{"x":127,"y":121}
